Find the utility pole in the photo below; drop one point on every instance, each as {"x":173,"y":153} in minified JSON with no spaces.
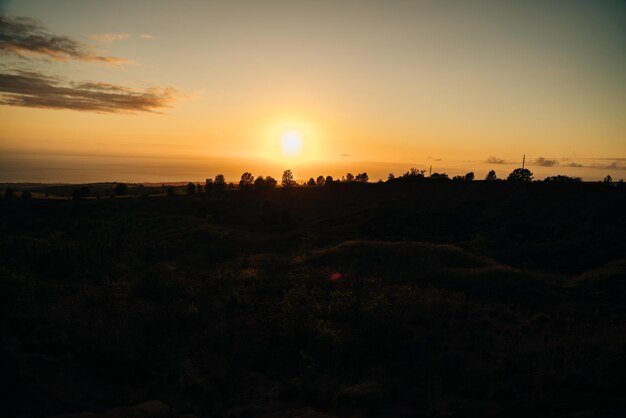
{"x":524,"y":162}
{"x":430,"y":171}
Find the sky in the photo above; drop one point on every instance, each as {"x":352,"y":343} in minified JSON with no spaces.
{"x":154,"y":91}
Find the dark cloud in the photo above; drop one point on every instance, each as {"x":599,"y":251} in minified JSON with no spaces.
{"x":33,"y":89}
{"x":546,"y":162}
{"x":344,"y":155}
{"x":495,"y":160}
{"x":22,"y":36}
{"x":574,"y":165}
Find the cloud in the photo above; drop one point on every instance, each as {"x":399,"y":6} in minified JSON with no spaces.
{"x":495,"y":160}
{"x":107,"y":38}
{"x":23,"y":36}
{"x":147,"y":36}
{"x":545,"y":162}
{"x":344,"y":155}
{"x":610,"y":166}
{"x":600,"y":163}
{"x":34,"y":89}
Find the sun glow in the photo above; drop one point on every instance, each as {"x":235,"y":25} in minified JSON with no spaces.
{"x":291,"y":143}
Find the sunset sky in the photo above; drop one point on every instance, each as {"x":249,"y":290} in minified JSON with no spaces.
{"x":151,"y":91}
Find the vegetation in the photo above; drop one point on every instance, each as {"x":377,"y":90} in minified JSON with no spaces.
{"x":287,"y":180}
{"x":562,"y":179}
{"x":220,"y":182}
{"x":521,"y":175}
{"x":247,"y":181}
{"x":432,"y":298}
{"x":491,"y":176}
{"x":121,"y":189}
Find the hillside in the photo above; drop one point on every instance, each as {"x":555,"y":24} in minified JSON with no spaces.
{"x":429,"y":299}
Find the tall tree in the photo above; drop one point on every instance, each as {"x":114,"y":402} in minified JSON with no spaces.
{"x":259,"y":183}
{"x":288,"y":180}
{"x":270,"y":182}
{"x":362,"y":178}
{"x":520,"y":174}
{"x":208,"y":186}
{"x":246,"y":182}
{"x":220,"y":182}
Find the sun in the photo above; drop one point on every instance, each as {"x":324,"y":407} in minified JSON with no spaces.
{"x":291,"y":143}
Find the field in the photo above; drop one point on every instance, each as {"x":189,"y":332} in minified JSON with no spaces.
{"x":434,"y":299}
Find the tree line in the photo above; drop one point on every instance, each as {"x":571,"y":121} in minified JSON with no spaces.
{"x":250,"y":182}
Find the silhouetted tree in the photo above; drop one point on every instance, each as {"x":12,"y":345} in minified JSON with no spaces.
{"x":191,"y":188}
{"x":287,"y":180}
{"x":9,"y":192}
{"x":349,"y":178}
{"x":562,"y":179}
{"x":608,"y":179}
{"x":170,"y":192}
{"x":391,"y":177}
{"x":26,"y":195}
{"x":246,"y":182}
{"x":439,"y":176}
{"x":469,"y":176}
{"x":259,"y":183}
{"x":491,"y":176}
{"x":81,"y":193}
{"x":458,"y":178}
{"x":329,"y":180}
{"x":320,"y":180}
{"x":520,"y":174}
{"x":199,"y":188}
{"x":270,"y":182}
{"x":208,"y":186}
{"x":311,"y":182}
{"x":362,"y":178}
{"x":120,"y":189}
{"x":220,"y":182}
{"x":413,"y":174}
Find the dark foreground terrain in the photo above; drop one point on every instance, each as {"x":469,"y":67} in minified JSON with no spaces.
{"x":434,"y":300}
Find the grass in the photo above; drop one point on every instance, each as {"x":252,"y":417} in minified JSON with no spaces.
{"x":368,"y":301}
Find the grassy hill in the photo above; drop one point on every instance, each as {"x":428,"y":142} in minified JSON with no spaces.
{"x":426,"y":299}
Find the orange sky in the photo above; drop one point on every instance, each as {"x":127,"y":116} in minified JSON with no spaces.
{"x":200,"y":88}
